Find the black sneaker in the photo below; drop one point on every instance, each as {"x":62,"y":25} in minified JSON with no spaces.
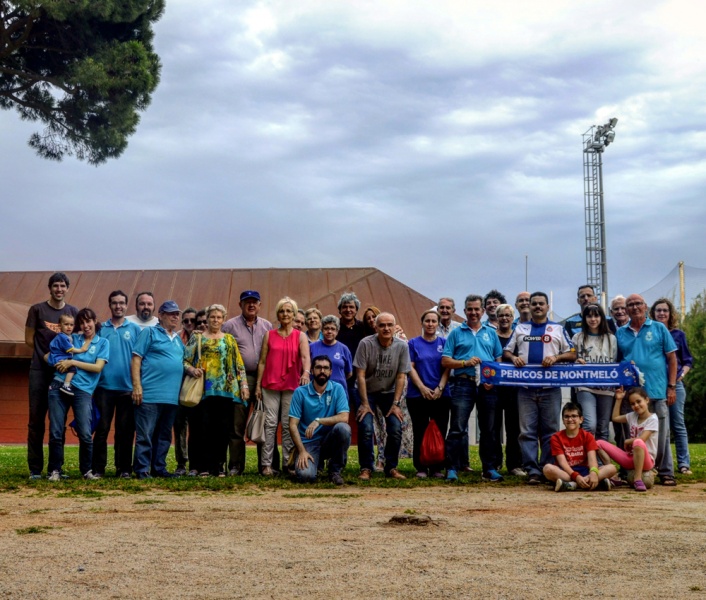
{"x":336,"y":479}
{"x":66,"y":389}
{"x":534,"y":480}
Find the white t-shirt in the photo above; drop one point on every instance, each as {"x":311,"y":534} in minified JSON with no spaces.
{"x":142,"y":324}
{"x":651,"y":423}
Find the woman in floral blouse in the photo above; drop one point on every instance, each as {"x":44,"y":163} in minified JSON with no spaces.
{"x":225,"y":391}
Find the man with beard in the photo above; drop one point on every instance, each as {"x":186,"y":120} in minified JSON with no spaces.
{"x":144,"y":307}
{"x":41,"y":327}
{"x":318,"y":423}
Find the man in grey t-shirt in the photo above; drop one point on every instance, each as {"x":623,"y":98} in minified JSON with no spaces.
{"x":381,"y":363}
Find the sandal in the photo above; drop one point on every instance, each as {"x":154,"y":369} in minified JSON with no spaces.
{"x":668,"y":480}
{"x":685,"y":471}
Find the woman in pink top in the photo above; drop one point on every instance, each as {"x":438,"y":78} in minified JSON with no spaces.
{"x":284,"y":365}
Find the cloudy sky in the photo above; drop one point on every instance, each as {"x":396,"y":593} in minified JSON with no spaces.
{"x":437,"y":141}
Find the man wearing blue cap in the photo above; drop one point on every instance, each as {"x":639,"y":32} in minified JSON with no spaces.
{"x":157,"y":370}
{"x":248,"y":330}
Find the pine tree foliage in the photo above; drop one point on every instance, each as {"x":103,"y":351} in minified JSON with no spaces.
{"x":82,"y":68}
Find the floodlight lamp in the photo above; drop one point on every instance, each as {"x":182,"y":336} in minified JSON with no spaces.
{"x":609,"y":137}
{"x":613,"y":122}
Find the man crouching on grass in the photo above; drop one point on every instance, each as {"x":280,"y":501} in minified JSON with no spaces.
{"x":318,"y":423}
{"x":574,"y":452}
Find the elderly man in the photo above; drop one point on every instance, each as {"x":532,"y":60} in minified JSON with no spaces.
{"x":522,"y":304}
{"x":619,"y":311}
{"x":40,"y":328}
{"x":466,"y":347}
{"x":157,"y":370}
{"x":538,"y":342}
{"x":144,"y":306}
{"x":651,"y":347}
{"x":381,"y":363}
{"x":113,"y":396}
{"x":318,"y":423}
{"x":446,"y":307}
{"x":249,"y":330}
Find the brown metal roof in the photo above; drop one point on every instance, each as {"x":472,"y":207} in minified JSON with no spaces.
{"x":199,"y":287}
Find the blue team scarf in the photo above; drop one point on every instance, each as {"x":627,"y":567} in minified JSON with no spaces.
{"x":561,"y":375}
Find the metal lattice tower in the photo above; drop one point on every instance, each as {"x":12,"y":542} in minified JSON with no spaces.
{"x":595,"y":141}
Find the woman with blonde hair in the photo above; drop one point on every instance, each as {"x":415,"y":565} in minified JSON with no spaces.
{"x":284,"y":365}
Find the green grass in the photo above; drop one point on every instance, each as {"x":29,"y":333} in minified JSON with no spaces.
{"x":14,"y":477}
{"x":33,"y":529}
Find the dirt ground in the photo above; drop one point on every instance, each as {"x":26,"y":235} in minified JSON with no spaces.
{"x":494,"y":542}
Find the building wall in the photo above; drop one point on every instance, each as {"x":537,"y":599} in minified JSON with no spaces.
{"x":14,"y":402}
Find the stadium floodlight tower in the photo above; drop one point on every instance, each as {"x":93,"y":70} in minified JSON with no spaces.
{"x":595,"y":141}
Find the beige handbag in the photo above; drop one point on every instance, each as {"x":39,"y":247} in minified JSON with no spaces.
{"x":192,"y":387}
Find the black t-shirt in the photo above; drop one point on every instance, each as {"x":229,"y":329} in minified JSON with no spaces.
{"x":351,"y":336}
{"x":45,"y":321}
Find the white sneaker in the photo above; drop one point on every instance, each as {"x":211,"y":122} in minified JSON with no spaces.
{"x":564,"y":486}
{"x":517,"y":472}
{"x":91,"y":476}
{"x":54,"y":476}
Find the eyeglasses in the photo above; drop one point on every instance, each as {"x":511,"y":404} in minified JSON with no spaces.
{"x":635,"y":304}
{"x":661,"y":310}
{"x":201,"y":322}
{"x":188,"y":320}
{"x":321,"y":368}
{"x":571,"y":417}
{"x":618,"y":309}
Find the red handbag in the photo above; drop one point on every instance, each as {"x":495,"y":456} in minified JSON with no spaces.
{"x":433,"y":449}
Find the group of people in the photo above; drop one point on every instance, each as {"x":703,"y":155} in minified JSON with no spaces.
{"x":310,"y":372}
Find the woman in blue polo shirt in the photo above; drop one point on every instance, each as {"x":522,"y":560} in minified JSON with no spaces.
{"x":88,"y":365}
{"x":427,"y":395}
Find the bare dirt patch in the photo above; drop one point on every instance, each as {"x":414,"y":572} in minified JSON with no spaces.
{"x":496,"y":542}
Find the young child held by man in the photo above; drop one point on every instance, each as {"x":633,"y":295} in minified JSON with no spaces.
{"x":574,"y":452}
{"x":62,"y":348}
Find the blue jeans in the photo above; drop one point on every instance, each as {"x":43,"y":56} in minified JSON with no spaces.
{"x":332,"y":447}
{"x":539,"y":410}
{"x":366,"y":454}
{"x":464,"y":396}
{"x":677,"y":425}
{"x":597,"y":411}
{"x":663,"y":460}
{"x":59,"y":405}
{"x":153,"y":428}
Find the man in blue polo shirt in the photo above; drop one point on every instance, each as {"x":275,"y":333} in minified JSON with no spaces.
{"x":538,"y":342}
{"x":651,"y":347}
{"x":113,"y":396}
{"x":466,"y":347}
{"x":157,"y":370}
{"x":318,"y":423}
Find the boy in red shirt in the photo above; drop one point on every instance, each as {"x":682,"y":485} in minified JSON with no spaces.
{"x":574,"y":452}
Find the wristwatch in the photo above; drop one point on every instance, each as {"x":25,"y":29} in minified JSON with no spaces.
{"x":397,"y":403}
{"x":318,"y":420}
{"x":672,"y":386}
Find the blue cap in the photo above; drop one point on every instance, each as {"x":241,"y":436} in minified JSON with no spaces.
{"x":169,"y":307}
{"x":250,"y":294}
